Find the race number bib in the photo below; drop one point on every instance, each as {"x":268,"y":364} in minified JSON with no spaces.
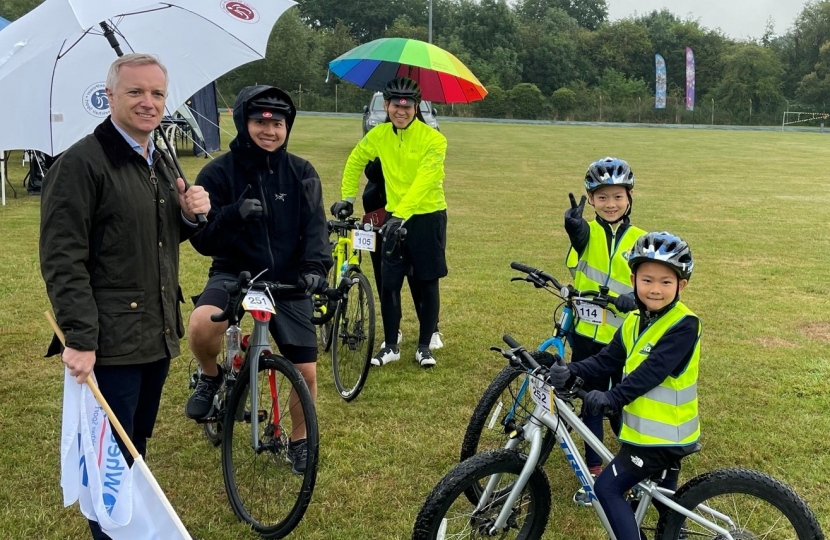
{"x":542,"y":394}
{"x":589,"y":312}
{"x":258,"y":301}
{"x":364,"y":240}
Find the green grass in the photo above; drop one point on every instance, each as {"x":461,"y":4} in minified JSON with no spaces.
{"x":754,"y":206}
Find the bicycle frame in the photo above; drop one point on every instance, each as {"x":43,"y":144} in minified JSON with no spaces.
{"x":558,"y":423}
{"x":346,"y":256}
{"x":258,"y":345}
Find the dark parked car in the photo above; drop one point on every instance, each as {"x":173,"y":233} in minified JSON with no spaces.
{"x":374,"y":113}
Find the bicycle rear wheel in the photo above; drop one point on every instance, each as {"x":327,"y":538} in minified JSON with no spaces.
{"x":261,"y":487}
{"x":506,"y":402}
{"x":446,"y":514}
{"x":758,"y":506}
{"x":324,"y":310}
{"x":323,"y":306}
{"x":354,"y":337}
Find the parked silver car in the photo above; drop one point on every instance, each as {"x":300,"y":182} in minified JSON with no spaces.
{"x":374,"y":113}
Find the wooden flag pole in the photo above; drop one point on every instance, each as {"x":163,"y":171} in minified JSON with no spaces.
{"x":97,"y":393}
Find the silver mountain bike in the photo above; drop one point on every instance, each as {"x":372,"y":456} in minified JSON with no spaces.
{"x":725,"y":504}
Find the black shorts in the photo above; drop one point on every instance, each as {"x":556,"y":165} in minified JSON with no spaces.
{"x":423,"y":252}
{"x":291,"y":327}
{"x":646,"y":461}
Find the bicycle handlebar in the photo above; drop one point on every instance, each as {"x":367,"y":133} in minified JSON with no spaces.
{"x":535,"y":271}
{"x":351,"y":224}
{"x":236,"y":293}
{"x":528,"y":362}
{"x":540,"y":278}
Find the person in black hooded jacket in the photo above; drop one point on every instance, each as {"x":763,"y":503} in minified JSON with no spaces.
{"x":266,"y":215}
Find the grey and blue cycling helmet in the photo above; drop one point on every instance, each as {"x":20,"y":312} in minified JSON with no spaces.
{"x":665,"y":248}
{"x":608,"y":172}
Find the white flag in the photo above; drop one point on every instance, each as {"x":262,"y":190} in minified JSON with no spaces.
{"x":126,"y":502}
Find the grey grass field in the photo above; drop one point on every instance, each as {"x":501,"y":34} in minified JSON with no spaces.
{"x":754,"y":207}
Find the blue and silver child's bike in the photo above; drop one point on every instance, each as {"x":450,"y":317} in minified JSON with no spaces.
{"x":507,"y":402}
{"x":515,"y":497}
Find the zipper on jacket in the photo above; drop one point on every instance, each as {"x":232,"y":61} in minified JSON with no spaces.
{"x":266,"y":220}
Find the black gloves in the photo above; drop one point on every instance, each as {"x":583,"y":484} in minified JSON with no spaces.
{"x":314,"y":284}
{"x":595,"y":403}
{"x":249,"y":209}
{"x":574,"y":213}
{"x":390,"y":228}
{"x":544,"y":358}
{"x":625,"y":303}
{"x":559,"y":375}
{"x":342,"y":209}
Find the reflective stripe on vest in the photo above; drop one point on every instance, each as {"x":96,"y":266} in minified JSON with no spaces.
{"x":596,"y":268}
{"x":658,"y":432}
{"x":667,"y":415}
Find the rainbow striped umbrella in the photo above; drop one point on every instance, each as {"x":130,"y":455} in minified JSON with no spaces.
{"x":442,"y":76}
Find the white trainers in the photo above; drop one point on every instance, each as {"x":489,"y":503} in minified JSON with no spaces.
{"x":424,"y":358}
{"x":435,"y":341}
{"x":386,"y":355}
{"x":400,"y":338}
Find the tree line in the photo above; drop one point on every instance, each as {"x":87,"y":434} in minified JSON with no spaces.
{"x":553,"y":59}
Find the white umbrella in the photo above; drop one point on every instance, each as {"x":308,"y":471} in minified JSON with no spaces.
{"x":52,"y":76}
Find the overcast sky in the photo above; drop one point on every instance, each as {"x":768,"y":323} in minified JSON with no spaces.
{"x":736,"y":18}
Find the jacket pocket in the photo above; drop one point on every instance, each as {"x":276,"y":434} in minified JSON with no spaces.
{"x":119,"y":320}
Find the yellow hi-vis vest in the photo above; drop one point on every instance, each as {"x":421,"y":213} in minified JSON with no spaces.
{"x":667,"y":414}
{"x":597,"y":268}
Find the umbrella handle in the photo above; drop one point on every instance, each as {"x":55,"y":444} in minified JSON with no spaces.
{"x":201,"y":219}
{"x":97,"y":393}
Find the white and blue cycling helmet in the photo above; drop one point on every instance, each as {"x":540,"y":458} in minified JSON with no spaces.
{"x":665,"y":248}
{"x":609,"y":172}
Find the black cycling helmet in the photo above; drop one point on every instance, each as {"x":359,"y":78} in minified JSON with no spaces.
{"x":403,"y":91}
{"x":269,"y":106}
{"x":609,"y":172}
{"x":665,"y":248}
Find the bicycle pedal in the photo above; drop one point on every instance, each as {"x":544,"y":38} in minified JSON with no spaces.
{"x":261,"y":416}
{"x":212,"y":419}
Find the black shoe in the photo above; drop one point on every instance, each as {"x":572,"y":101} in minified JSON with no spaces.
{"x":200,"y":404}
{"x":297,"y":454}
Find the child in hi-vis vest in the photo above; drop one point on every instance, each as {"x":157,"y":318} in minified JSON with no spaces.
{"x":658,"y":350}
{"x":598,"y":258}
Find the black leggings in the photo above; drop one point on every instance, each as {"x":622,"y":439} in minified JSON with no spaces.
{"x":612,"y":485}
{"x":414,"y":286}
{"x":390,"y":309}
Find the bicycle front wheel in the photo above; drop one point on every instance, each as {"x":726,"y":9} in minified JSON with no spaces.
{"x":259,"y":481}
{"x":749,"y":504}
{"x":506,"y":402}
{"x":447,"y":514}
{"x":353,"y":337}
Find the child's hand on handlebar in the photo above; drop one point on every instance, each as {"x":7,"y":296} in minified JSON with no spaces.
{"x":625,"y":303}
{"x":559,"y":376}
{"x":596,"y":402}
